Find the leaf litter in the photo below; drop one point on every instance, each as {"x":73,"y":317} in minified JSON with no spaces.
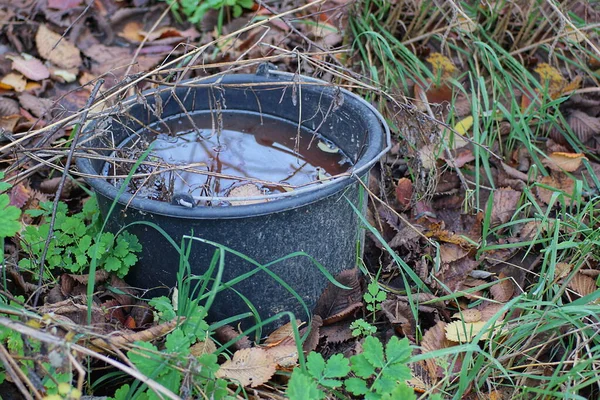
{"x":434,"y":205}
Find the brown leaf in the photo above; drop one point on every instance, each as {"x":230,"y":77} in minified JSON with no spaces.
{"x":336,"y":303}
{"x":583,"y":125}
{"x":582,"y":284}
{"x":404,"y":190}
{"x":203,"y":347}
{"x":8,"y":107}
{"x":31,"y":68}
{"x":569,"y":162}
{"x":561,"y":182}
{"x":312,"y":340}
{"x":245,"y":190}
{"x":37,"y":105}
{"x":503,"y":290}
{"x":285,"y":356}
{"x":20,"y":195}
{"x":470,"y":315}
{"x":57,"y":49}
{"x":337,"y":333}
{"x":14,"y":81}
{"x":488,"y":310}
{"x":504,"y":205}
{"x":63,"y":4}
{"x":435,"y":339}
{"x":562,"y":270}
{"x":9,"y":123}
{"x":249,"y":367}
{"x":131,"y":31}
{"x":227,"y":332}
{"x":124,"y":338}
{"x":451,"y":252}
{"x":280,"y":334}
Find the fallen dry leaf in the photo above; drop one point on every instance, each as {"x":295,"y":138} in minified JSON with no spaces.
{"x":250,"y":367}
{"x":30,"y":67}
{"x":488,"y":310}
{"x":471,"y":315}
{"x":336,"y":303}
{"x":37,"y":105}
{"x":203,"y":347}
{"x":56,"y":49}
{"x":463,"y":332}
{"x":583,"y":125}
{"x":8,"y":106}
{"x":562,"y":270}
{"x":569,"y":162}
{"x":226,"y":333}
{"x":582,"y":284}
{"x":450,"y":252}
{"x":286,"y":356}
{"x":504,"y":205}
{"x":131,"y":31}
{"x":245,"y":190}
{"x":63,"y":4}
{"x":14,"y":81}
{"x":503,"y":290}
{"x":280,"y":334}
{"x":404,"y":190}
{"x":435,"y":339}
{"x":559,"y":181}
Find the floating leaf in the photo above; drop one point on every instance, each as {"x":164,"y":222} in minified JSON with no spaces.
{"x":328,"y":147}
{"x":569,"y":162}
{"x":250,"y":367}
{"x":57,"y":49}
{"x":245,"y":190}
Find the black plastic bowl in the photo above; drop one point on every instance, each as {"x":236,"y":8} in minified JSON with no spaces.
{"x":318,"y":219}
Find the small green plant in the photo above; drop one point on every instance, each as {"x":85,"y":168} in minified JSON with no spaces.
{"x":360,"y":327}
{"x":374,"y":296}
{"x":375,"y":373}
{"x":164,"y":366}
{"x":75,"y":241}
{"x":9,"y":215}
{"x":194,"y":10}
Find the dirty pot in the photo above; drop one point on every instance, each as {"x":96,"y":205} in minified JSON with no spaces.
{"x":318,"y":219}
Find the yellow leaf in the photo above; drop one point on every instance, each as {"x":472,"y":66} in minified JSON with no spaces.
{"x":463,"y":332}
{"x":249,"y":367}
{"x":463,"y":126}
{"x":560,"y":161}
{"x":550,"y":76}
{"x":442,"y":65}
{"x":15,"y":81}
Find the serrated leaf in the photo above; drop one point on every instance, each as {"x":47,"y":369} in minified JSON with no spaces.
{"x":9,"y":218}
{"x":112,"y":264}
{"x":303,"y":387}
{"x":398,"y":351}
{"x":398,"y":371}
{"x":361,"y":366}
{"x":145,"y":358}
{"x":356,"y":386}
{"x":250,"y":367}
{"x":178,"y":342}
{"x":583,"y":125}
{"x":385,"y":384}
{"x":337,"y":366}
{"x":315,"y":363}
{"x":373,"y":351}
{"x":401,"y":391}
